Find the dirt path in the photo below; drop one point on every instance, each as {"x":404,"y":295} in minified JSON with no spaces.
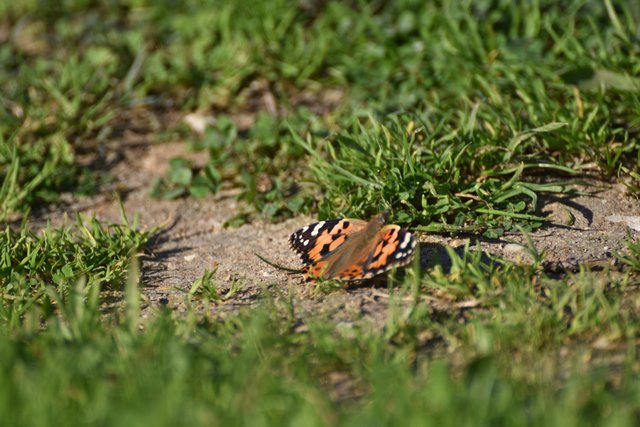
{"x":194,"y":240}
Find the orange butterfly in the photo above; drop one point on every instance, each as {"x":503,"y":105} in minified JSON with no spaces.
{"x":351,"y":249}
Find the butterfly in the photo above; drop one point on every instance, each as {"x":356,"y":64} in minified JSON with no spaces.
{"x":352,"y":249}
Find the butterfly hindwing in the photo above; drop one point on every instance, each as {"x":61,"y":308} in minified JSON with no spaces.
{"x":394,"y":248}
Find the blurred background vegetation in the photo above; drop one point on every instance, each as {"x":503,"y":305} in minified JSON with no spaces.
{"x":488,"y":101}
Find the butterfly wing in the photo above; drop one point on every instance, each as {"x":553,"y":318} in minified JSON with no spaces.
{"x":393,"y":247}
{"x":315,"y":241}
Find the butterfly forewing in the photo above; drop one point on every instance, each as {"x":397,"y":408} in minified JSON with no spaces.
{"x":316,"y":241}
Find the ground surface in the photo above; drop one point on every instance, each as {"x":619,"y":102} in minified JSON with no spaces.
{"x":193,"y":238}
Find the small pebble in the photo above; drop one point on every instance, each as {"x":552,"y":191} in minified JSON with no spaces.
{"x":513,"y":247}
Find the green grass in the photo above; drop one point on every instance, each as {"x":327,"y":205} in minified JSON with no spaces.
{"x":445,"y":356}
{"x":485,"y":342}
{"x":441,"y":182}
{"x":41,"y":271}
{"x":259,"y":162}
{"x":478,"y":75}
{"x":454,"y":115}
{"x":480,"y":100}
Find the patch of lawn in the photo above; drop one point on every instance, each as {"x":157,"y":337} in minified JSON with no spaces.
{"x":530,"y":350}
{"x":491,"y":101}
{"x":59,"y":99}
{"x":475,"y":74}
{"x":39,"y":271}
{"x":488,"y":88}
{"x":471,"y":183}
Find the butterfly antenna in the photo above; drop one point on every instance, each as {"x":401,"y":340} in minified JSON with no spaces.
{"x":278,"y":266}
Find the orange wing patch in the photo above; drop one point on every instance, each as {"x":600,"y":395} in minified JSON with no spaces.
{"x":326,"y":244}
{"x":315,"y":270}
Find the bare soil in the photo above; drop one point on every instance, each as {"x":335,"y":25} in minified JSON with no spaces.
{"x":193,"y":239}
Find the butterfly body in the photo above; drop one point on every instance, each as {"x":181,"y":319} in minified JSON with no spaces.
{"x":351,"y":249}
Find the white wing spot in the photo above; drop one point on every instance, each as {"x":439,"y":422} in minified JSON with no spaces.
{"x":306,"y":242}
{"x":405,"y":242}
{"x":305,"y":228}
{"x":400,"y":255}
{"x":317,"y":228}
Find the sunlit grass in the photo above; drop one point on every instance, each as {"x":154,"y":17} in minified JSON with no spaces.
{"x":475,"y":75}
